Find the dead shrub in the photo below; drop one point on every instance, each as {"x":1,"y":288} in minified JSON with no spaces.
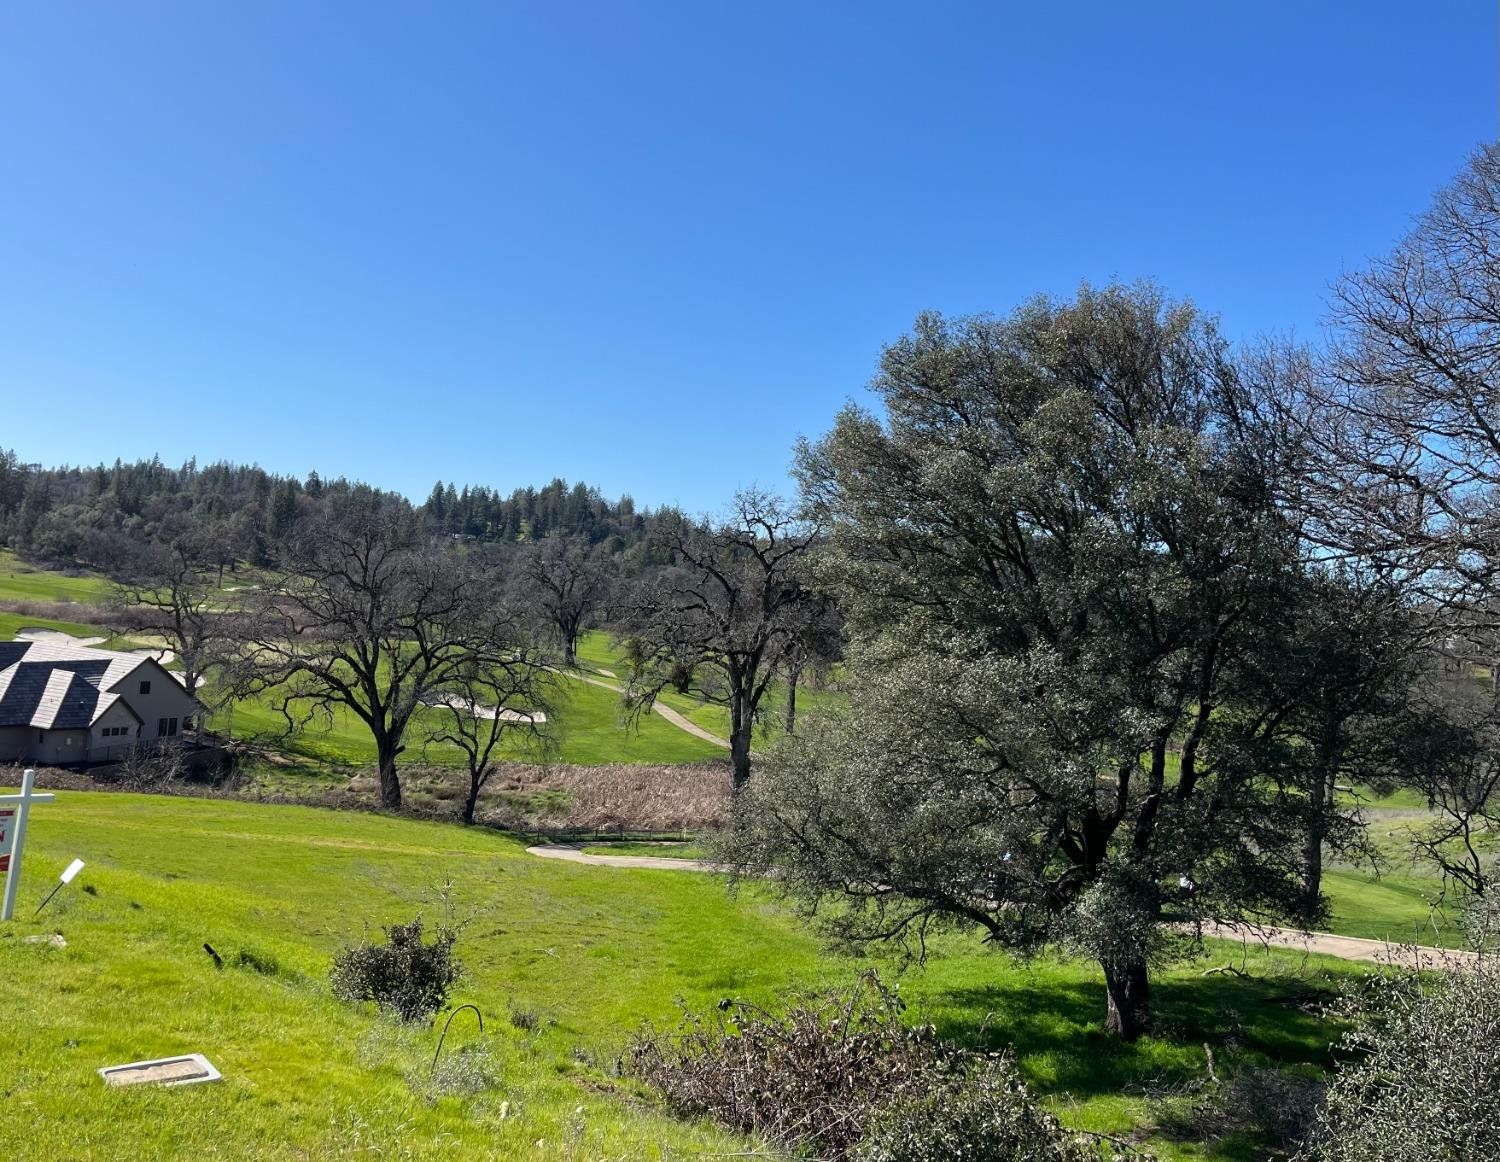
{"x":617,"y":797}
{"x":843,"y":1078}
{"x":1275,"y":1108}
{"x":151,"y":768}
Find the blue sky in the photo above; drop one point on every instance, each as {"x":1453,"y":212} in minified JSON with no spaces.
{"x":650,"y":244}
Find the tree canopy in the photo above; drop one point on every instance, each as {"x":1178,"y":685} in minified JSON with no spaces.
{"x":1068,"y":584}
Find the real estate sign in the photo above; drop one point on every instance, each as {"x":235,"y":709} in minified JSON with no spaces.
{"x":7,"y":836}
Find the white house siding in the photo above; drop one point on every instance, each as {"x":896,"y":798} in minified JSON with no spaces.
{"x":14,"y":741}
{"x":166,"y":699}
{"x":59,"y":748}
{"x":107,"y":747}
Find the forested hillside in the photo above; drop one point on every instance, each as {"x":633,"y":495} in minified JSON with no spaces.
{"x":92,"y":516}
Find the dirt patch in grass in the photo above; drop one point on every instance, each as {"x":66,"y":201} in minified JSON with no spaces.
{"x":557,"y":799}
{"x":621,"y":798}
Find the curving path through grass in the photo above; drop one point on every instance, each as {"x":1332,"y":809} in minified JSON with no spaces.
{"x":677,"y":720}
{"x":1323,"y":943}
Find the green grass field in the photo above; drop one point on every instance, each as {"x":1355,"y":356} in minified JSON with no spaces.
{"x":22,"y":581}
{"x":592,"y":951}
{"x":597,"y":652}
{"x":588,"y":725}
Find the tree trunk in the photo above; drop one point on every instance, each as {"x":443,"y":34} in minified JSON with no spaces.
{"x":791,"y":698}
{"x":1320,"y":794}
{"x":570,"y":645}
{"x":1129,"y":993}
{"x":740,"y":723}
{"x":1312,"y":871}
{"x":386,"y":751}
{"x":472,"y":800}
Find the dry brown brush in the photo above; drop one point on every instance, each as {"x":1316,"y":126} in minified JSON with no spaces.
{"x":843,"y":1078}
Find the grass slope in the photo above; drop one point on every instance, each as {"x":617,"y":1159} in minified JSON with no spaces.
{"x":597,"y":653}
{"x":13,"y":623}
{"x":594,"y":950}
{"x":588,"y":724}
{"x":20,"y":581}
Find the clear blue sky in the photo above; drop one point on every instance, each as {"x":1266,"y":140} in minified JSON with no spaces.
{"x":649,"y":244}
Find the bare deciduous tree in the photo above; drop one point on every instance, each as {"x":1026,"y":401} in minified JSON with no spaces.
{"x":569,"y":579}
{"x":371,"y":622}
{"x":491,"y":700}
{"x":1411,"y":402}
{"x":1406,"y":416}
{"x":727,"y":608}
{"x":169,"y":592}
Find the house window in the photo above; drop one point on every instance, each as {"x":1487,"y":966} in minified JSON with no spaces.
{"x":166,"y":727}
{"x":145,"y":687}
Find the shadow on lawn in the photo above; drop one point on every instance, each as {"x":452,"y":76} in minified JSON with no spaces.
{"x":1055,"y":1027}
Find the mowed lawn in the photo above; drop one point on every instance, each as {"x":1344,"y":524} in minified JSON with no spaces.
{"x":588,"y":727}
{"x":592,"y":951}
{"x":598,"y":653}
{"x":20,"y":581}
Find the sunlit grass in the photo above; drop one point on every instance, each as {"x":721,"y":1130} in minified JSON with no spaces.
{"x":594,"y":950}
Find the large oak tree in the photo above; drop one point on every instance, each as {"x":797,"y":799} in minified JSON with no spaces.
{"x":730,"y":606}
{"x":1067,"y":581}
{"x":373,"y":621}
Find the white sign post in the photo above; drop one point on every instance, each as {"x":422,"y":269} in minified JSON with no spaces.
{"x":13,"y":836}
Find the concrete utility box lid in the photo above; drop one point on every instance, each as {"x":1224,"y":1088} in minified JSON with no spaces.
{"x":188,"y":1069}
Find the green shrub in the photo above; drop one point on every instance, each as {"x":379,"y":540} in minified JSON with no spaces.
{"x":1423,"y":1080}
{"x":406,"y":975}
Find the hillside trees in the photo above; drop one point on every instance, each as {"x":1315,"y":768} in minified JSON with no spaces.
{"x":568,"y":580}
{"x":1406,"y":422}
{"x":491,"y":699}
{"x":372,"y":621}
{"x":169,"y":590}
{"x":728,"y":607}
{"x":1067,"y":583}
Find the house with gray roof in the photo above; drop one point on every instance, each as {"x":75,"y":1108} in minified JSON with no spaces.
{"x":68,"y":705}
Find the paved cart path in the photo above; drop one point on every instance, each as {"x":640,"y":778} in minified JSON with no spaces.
{"x":651,"y":862}
{"x":666,"y":712}
{"x":1322,"y":943}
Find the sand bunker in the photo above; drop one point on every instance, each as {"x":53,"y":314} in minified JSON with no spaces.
{"x":55,"y":637}
{"x":504,"y":714}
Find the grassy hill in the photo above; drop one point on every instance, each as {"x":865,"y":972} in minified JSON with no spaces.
{"x":591,"y":951}
{"x":22,"y":581}
{"x":588,"y":725}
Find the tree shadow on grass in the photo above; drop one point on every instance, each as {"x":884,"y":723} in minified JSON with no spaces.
{"x":1055,"y":1026}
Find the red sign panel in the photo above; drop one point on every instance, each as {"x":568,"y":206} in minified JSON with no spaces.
{"x":7,"y":836}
